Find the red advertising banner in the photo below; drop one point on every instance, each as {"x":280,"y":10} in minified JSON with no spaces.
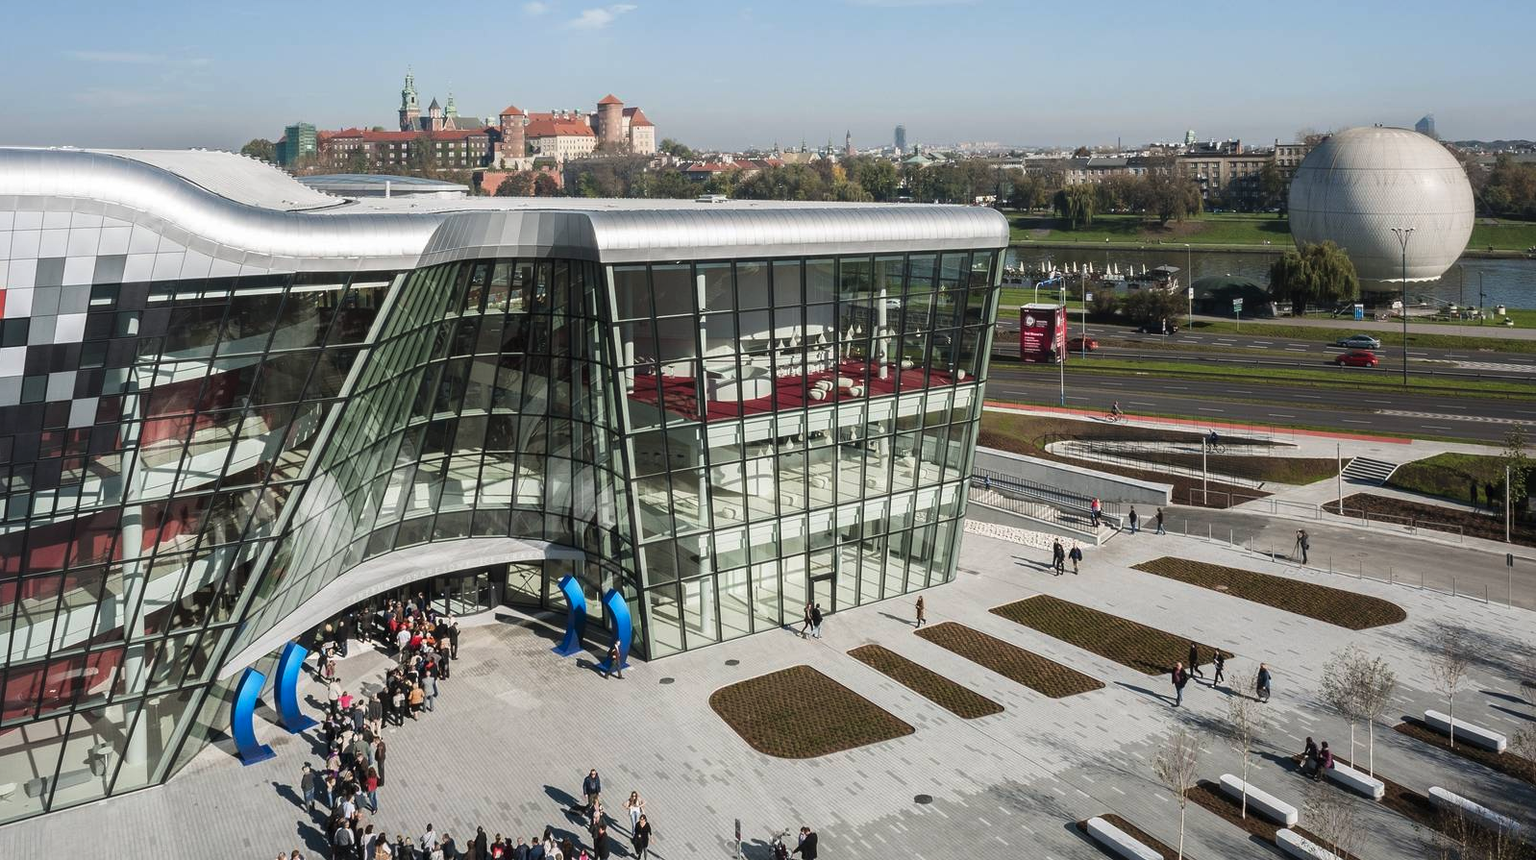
{"x":1042,"y":333}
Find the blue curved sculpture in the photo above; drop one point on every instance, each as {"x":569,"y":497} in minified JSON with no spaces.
{"x":623,"y":629}
{"x":242,"y":719}
{"x":575,"y":616}
{"x":289,"y":667}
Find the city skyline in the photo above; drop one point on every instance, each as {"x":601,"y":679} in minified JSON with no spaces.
{"x":770,"y":77}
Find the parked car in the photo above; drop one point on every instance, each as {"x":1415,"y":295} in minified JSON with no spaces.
{"x":1356,"y":358}
{"x":1358,"y":341}
{"x":1082,"y":344}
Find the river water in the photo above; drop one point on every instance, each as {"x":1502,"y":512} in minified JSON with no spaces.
{"x":1509,"y":282}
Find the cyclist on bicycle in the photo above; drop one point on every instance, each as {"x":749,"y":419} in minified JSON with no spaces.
{"x":1213,"y":438}
{"x":1114,"y":411}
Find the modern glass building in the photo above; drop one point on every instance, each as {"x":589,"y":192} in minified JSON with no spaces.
{"x":232,"y":407}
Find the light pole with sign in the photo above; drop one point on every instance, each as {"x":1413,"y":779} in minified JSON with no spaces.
{"x":1087,"y":297}
{"x":1237,"y":312}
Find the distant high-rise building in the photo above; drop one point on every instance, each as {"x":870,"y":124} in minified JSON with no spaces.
{"x":299,"y":140}
{"x":1426,"y":126}
{"x":901,"y":138}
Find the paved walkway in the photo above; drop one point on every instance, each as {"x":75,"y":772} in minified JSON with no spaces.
{"x":516,"y":728}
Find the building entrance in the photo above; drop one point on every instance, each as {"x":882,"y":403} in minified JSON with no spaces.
{"x":465,"y":593}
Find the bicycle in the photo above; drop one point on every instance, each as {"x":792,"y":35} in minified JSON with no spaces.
{"x":1114,"y":417}
{"x":779,"y":845}
{"x":1215,"y":448}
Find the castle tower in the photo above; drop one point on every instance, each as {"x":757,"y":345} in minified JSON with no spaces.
{"x":410,"y":109}
{"x":610,"y":122}
{"x":451,"y":114}
{"x":434,"y":116}
{"x":848,"y":149}
{"x":514,"y":121}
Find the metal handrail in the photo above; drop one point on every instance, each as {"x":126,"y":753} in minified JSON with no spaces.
{"x":1068,"y":503}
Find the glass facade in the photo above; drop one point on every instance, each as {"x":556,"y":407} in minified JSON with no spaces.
{"x":195,"y":451}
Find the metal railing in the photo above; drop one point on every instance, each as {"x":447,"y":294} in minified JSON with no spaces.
{"x":1197,"y":498}
{"x":1173,"y":458}
{"x":1017,"y":495}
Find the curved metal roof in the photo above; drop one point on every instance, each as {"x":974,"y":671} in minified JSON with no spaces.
{"x":240,"y":214}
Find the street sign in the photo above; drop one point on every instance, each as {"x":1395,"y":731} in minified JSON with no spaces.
{"x":1087,"y":297}
{"x":1191,"y":292}
{"x":1237,"y":306}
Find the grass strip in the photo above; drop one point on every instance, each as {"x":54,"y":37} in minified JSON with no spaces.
{"x":800,"y":713}
{"x":1323,"y":603}
{"x":1131,"y":644}
{"x":1135,"y":833}
{"x":1507,"y":763}
{"x":1435,"y":517}
{"x":958,"y":700}
{"x":1450,"y":476}
{"x":1012,"y":662}
{"x":1354,"y":377}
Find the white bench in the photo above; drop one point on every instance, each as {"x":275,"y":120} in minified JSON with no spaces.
{"x":1356,"y":780}
{"x":1478,"y":813}
{"x":1466,"y":732}
{"x":1295,"y":845}
{"x":1262,"y":802}
{"x":1118,"y":842}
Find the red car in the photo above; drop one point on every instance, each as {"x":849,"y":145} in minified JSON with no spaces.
{"x":1081,"y":344}
{"x":1356,"y":358}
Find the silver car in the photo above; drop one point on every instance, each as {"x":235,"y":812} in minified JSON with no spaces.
{"x":1358,"y":341}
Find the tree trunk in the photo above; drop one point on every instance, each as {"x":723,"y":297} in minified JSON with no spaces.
{"x":1351,"y":741}
{"x":1181,"y":831}
{"x":1370,"y":730}
{"x":1245,"y":784}
{"x":1452,"y":715}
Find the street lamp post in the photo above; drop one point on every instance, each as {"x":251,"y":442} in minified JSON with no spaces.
{"x":1403,"y":235}
{"x":1482,"y":298}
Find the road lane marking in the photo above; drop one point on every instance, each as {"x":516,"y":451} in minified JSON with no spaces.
{"x":1434,"y":427}
{"x":1353,"y":421}
{"x":1280,"y":415}
{"x":1309,"y":396}
{"x":1441,"y":416}
{"x":1209,"y":409}
{"x":1140,"y":403}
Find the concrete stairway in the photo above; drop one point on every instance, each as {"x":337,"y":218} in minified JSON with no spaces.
{"x":1364,"y":470}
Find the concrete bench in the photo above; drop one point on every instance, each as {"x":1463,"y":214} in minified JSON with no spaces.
{"x":1261,"y":802}
{"x":1293,"y":844}
{"x":1118,"y":842}
{"x":1467,"y":733}
{"x":1356,"y":780}
{"x":1475,"y":812}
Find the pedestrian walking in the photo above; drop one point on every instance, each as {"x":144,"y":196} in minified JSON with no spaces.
{"x":1302,"y":545}
{"x":642,"y":838}
{"x":807,"y":846}
{"x":1134,"y":520}
{"x":816,"y":620}
{"x":1076,"y":555}
{"x":378,"y":758}
{"x":615,"y":664}
{"x":307,"y":786}
{"x":920,"y":616}
{"x":592,"y":787}
{"x":805,"y":627}
{"x":1221,"y":667}
{"x":1058,"y":556}
{"x":1194,"y":660}
{"x":635,"y":806}
{"x":1180,"y":678}
{"x":371,"y":785}
{"x":1472,"y":491}
{"x":1095,"y":509}
{"x":1261,"y":683}
{"x":1160,"y":522}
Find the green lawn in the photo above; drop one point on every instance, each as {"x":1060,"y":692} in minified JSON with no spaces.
{"x":1227,"y":228}
{"x":1449,"y":476}
{"x":1346,"y":378}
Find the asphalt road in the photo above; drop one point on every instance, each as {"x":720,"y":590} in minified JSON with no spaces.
{"x":1478,"y":419}
{"x":1258,"y":349}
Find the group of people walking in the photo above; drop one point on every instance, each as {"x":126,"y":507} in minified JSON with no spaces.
{"x":1180,"y":675}
{"x":1060,"y":555}
{"x":811,"y":625}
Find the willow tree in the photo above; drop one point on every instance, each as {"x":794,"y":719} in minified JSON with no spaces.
{"x":1315,"y":274}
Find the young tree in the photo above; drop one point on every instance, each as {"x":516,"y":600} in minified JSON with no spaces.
{"x":1339,"y":690}
{"x":1177,"y":766}
{"x":260,"y":148}
{"x":1374,"y":682}
{"x":1246,"y":719}
{"x":1518,"y":464}
{"x":1331,"y":816}
{"x":1448,"y":666}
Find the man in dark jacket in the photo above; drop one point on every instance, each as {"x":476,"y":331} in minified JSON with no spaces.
{"x":807,"y":846}
{"x":592,"y":787}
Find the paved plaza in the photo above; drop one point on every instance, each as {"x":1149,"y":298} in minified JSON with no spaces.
{"x":516,"y":728}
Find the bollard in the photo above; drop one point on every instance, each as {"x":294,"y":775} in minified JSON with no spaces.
{"x":1231,"y":537}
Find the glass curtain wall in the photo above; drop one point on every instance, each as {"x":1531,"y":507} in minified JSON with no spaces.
{"x":798,"y":430}
{"x":141,"y":479}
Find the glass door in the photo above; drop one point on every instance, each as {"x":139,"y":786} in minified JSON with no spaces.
{"x":824,"y":593}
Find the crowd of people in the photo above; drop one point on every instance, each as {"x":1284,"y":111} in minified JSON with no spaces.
{"x":424,"y":643}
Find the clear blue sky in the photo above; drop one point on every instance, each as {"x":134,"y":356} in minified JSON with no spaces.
{"x":721,"y":74}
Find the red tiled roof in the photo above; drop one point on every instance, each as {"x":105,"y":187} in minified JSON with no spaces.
{"x":711,"y":167}
{"x":610,"y":99}
{"x":636,"y":118}
{"x":512,"y":110}
{"x":543,"y":125}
